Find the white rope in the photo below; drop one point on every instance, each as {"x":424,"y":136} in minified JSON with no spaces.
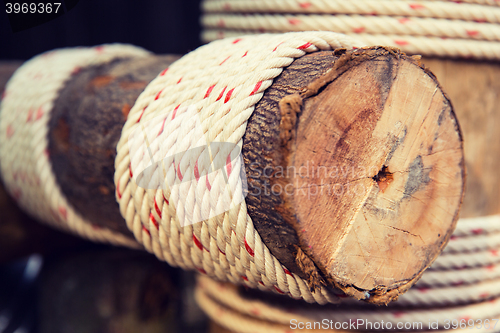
{"x":24,"y":116}
{"x":458,"y":277}
{"x":205,"y":97}
{"x":434,"y":9}
{"x":377,"y":25}
{"x":228,"y":308}
{"x":430,"y":28}
{"x":429,"y":46}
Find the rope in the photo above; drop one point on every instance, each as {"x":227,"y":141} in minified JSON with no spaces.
{"x":227,"y":307}
{"x":462,"y":284}
{"x":24,"y":117}
{"x":435,"y":9}
{"x":204,"y":98}
{"x":430,"y":28}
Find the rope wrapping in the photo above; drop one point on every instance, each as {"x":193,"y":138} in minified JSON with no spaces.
{"x":430,"y":28}
{"x":227,"y":307}
{"x":24,"y":116}
{"x":204,"y":98}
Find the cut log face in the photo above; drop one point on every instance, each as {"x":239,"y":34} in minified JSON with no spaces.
{"x":372,"y":174}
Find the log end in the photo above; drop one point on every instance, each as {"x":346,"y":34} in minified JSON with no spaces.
{"x":375,"y":172}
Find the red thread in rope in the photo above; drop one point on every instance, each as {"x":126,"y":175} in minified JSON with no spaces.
{"x":158,"y":94}
{"x":163,"y":72}
{"x":359,"y":30}
{"x":423,"y":289}
{"x":249,"y":249}
{"x":277,"y":46}
{"x":279,"y":290}
{"x":130,"y":171}
{"x":99,"y":49}
{"x":63,"y":212}
{"x":153,"y":220}
{"x":404,"y":20}
{"x":39,"y":113}
{"x":208,"y":183}
{"x":158,"y":211}
{"x":175,"y":111}
{"x":118,"y":191}
{"x":224,"y":253}
{"x":294,"y":21}
{"x":417,"y":6}
{"x":209,"y":90}
{"x":196,"y":171}
{"x":179,"y":80}
{"x":305,"y":46}
{"x":223,"y":61}
{"x":288,"y":272}
{"x":221,"y":94}
{"x":146,"y":230}
{"x":256,"y":88}
{"x":228,"y":96}
{"x":138,"y":120}
{"x":10,"y":131}
{"x":304,"y":4}
{"x":236,"y":40}
{"x":245,"y":54}
{"x":228,"y":165}
{"x":197,"y":242}
{"x":262,"y":283}
{"x":484,"y":295}
{"x":401,"y":42}
{"x":179,"y":174}
{"x":399,"y":314}
{"x":165,"y":199}
{"x":472,"y":32}
{"x":244,"y":278}
{"x":162,"y":127}
{"x":494,"y":252}
{"x":202,"y":271}
{"x":478,"y":231}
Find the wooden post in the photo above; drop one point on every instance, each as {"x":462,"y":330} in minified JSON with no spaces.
{"x":354,"y":161}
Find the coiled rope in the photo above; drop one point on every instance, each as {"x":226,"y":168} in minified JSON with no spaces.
{"x":227,"y":307}
{"x":432,"y":28}
{"x":24,"y":115}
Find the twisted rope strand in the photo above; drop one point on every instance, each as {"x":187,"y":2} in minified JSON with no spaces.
{"x":227,"y":307}
{"x":429,"y":46}
{"x":435,"y":9}
{"x":377,"y":25}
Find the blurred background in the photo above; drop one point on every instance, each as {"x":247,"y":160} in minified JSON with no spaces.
{"x":170,"y":26}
